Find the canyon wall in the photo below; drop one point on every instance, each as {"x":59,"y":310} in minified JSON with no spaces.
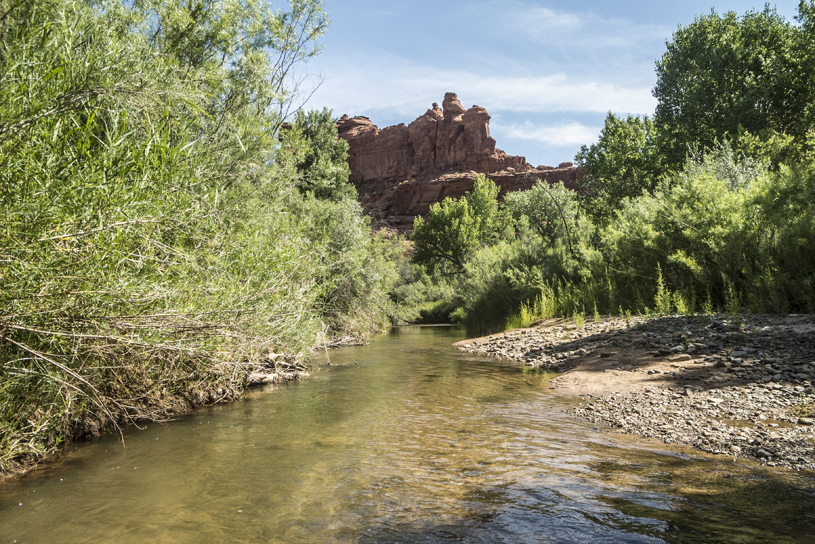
{"x":399,"y":171}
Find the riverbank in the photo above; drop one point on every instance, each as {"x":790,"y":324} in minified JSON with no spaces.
{"x":274,"y":368}
{"x":743,"y":390}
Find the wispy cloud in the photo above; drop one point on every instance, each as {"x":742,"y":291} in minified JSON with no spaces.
{"x":542,"y":22}
{"x":403,"y":88}
{"x":523,"y":58}
{"x":563,"y":134}
{"x":584,"y":30}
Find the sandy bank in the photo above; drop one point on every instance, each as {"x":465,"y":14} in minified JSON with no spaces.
{"x":741,"y":390}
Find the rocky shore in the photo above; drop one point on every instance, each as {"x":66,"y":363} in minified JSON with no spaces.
{"x":741,"y":389}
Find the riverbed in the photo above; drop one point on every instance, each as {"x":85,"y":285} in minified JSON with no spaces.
{"x":404,"y":440}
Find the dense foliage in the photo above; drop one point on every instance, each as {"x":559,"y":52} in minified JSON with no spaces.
{"x":455,"y":228}
{"x":745,"y":81}
{"x":708,"y":205}
{"x":158,"y":235}
{"x":626,"y":162}
{"x":724,"y":74}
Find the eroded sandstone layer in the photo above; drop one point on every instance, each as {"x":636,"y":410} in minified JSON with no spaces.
{"x":399,"y":171}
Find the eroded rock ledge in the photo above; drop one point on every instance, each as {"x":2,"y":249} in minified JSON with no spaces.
{"x":399,"y":171}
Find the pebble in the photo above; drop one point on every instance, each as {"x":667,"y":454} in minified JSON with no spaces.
{"x":764,"y":413}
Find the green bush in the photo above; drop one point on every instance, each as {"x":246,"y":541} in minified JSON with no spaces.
{"x":455,"y":229}
{"x":724,"y":226}
{"x":156,"y":238}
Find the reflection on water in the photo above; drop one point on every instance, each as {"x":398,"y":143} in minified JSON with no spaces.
{"x":405,"y":440}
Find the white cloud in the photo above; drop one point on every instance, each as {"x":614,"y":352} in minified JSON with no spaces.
{"x":539,"y":21}
{"x":561,"y":134}
{"x":584,"y":30}
{"x":398,"y":87}
{"x":524,"y":58}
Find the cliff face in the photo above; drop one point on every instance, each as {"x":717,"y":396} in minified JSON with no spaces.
{"x":399,"y":171}
{"x":440,"y":141}
{"x":396,"y":205}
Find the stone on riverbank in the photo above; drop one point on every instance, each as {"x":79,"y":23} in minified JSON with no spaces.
{"x":746,"y":391}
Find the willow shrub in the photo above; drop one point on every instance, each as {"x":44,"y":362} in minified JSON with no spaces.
{"x":723,"y":231}
{"x":785,"y":202}
{"x":154,"y":244}
{"x":724,"y":234}
{"x":500,"y":278}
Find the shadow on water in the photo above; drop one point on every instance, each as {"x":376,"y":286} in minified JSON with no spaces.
{"x":706,"y":507}
{"x":721,"y":504}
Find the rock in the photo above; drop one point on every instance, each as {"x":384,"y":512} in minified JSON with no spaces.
{"x":451,"y":139}
{"x":262,"y":377}
{"x":743,"y":418}
{"x":439,"y":154}
{"x":680,"y":357}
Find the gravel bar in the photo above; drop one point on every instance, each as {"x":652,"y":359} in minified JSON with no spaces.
{"x":743,"y":390}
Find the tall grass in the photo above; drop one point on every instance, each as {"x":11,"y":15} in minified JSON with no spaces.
{"x":154,"y":245}
{"x":555,"y":299}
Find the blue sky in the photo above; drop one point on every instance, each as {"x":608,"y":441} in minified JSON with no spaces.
{"x":547,"y":71}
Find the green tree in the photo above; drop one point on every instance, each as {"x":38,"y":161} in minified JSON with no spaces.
{"x":624,"y":163}
{"x":246,"y":49}
{"x":455,"y":228}
{"x":447,"y":238}
{"x":806,"y":45}
{"x":483,"y":202}
{"x":726,"y":73}
{"x":552,"y":210}
{"x":322,"y":155}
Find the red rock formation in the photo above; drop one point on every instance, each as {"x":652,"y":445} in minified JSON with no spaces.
{"x":399,"y":171}
{"x":438,"y":142}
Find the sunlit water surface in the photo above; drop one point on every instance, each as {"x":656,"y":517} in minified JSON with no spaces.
{"x":404,"y":440}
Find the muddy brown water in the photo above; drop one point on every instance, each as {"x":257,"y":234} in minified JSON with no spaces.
{"x":403,"y":440}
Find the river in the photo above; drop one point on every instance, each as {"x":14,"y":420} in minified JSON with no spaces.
{"x":403,"y":440}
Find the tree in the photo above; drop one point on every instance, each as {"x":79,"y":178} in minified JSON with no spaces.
{"x":249,"y":48}
{"x":483,"y":202}
{"x":806,"y":18}
{"x":551,"y":210}
{"x":447,"y":238}
{"x":723,"y":74}
{"x":624,"y":163}
{"x":321,"y":155}
{"x":455,"y":229}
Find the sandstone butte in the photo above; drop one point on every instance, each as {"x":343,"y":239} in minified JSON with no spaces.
{"x":400,"y":171}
